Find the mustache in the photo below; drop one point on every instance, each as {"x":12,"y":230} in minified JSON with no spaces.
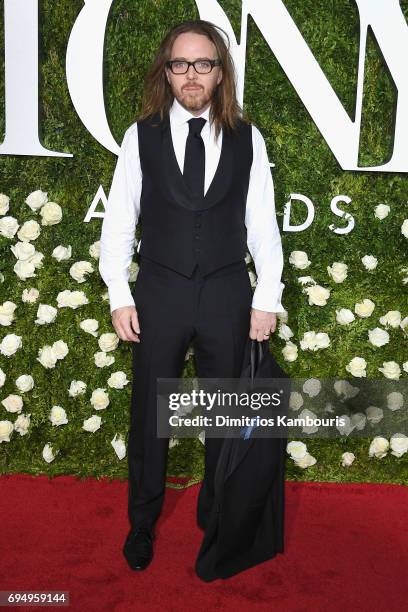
{"x":191,"y":85}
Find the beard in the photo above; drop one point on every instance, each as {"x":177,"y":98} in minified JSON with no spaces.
{"x":194,"y":100}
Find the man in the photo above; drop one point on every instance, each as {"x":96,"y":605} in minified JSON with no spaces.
{"x":197,"y":176}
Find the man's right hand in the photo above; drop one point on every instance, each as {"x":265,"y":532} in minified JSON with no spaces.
{"x":126,"y":323}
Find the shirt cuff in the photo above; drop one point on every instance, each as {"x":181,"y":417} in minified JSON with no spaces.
{"x":267,"y":298}
{"x":120,"y":295}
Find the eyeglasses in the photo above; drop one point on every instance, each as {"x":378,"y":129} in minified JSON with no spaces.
{"x":203,"y":66}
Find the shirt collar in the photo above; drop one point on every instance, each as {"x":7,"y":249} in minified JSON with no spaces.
{"x":179,"y":115}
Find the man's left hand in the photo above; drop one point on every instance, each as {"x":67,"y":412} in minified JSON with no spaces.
{"x":262,"y":324}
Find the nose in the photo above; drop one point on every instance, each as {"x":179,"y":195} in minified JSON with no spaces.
{"x":191,"y":72}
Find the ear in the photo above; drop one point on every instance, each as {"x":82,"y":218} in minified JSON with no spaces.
{"x":219,"y":78}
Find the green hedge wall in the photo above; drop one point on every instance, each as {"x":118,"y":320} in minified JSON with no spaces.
{"x":303,"y":163}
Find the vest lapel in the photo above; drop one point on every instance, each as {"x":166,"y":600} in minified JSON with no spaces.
{"x":174,"y":184}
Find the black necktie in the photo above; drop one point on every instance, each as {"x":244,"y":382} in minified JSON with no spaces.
{"x":194,"y":158}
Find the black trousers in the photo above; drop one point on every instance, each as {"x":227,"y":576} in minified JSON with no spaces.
{"x":212,"y":312}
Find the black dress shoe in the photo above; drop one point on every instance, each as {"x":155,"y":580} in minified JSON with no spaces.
{"x":138,"y":548}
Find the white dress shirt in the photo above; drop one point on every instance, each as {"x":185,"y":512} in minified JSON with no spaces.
{"x":117,"y":240}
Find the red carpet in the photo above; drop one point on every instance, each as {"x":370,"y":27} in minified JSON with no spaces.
{"x":346,"y":549}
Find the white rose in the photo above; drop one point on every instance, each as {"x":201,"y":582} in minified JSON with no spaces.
{"x":2,"y":377}
{"x":6,"y":429}
{"x":189,"y":353}
{"x":7,"y":313}
{"x":347,"y":459}
{"x":103,"y":360}
{"x":51,"y":213}
{"x":37,"y":259}
{"x":308,"y":342}
{"x":299,"y":260}
{"x":358,"y":420}
{"x":398,"y":444}
{"x":30,"y":295}
{"x":309,"y":429}
{"x":79,"y":269}
{"x":133,"y":271}
{"x":119,"y":446}
{"x":10,"y":344}
{"x":58,"y":416}
{"x":365,"y":308}
{"x":60,"y":349}
{"x":24,"y":269}
{"x":378,"y":447}
{"x":13,"y":403}
{"x":173,"y":442}
{"x":338,"y":271}
{"x":22,"y":424}
{"x":381,"y":211}
{"x":305,"y":461}
{"x":201,"y":436}
{"x":108,"y":342}
{"x":47,"y":357}
{"x":71,"y":299}
{"x":283,"y":316}
{"x":36,"y":199}
{"x":404,"y":325}
{"x":118,"y":380}
{"x":295,"y":400}
{"x":369,"y":262}
{"x":99,"y":399}
{"x":48,"y":454}
{"x":90,"y":326}
{"x":45,"y":314}
{"x":95,"y":250}
{"x":8,"y":227}
{"x":285,"y":332}
{"x":60,"y":253}
{"x":395,"y":400}
{"x":347,"y":427}
{"x":30,"y":230}
{"x":391,"y":370}
{"x":23,"y":250}
{"x":296,"y":449}
{"x":92,"y":424}
{"x":25,"y":383}
{"x":343,"y":387}
{"x":357,"y":367}
{"x":312,"y":387}
{"x":374,"y":414}
{"x":77,"y":387}
{"x":322,"y":340}
{"x":290,"y":352}
{"x":378,"y":336}
{"x":318,"y":295}
{"x":344,"y":316}
{"x":392,"y":318}
{"x":405,"y":366}
{"x":313,"y":341}
{"x":4,"y":203}
{"x":306,"y":280}
{"x":404,"y":228}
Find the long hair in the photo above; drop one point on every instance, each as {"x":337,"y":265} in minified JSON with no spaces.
{"x":158,"y":96}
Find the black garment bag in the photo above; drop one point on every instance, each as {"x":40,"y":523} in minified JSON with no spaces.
{"x":246,"y":523}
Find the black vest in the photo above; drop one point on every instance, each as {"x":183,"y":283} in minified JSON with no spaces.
{"x":178,"y":232}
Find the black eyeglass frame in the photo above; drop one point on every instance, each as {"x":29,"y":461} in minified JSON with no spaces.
{"x":213,"y":62}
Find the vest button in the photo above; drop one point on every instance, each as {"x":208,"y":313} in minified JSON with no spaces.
{"x":197,"y":237}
